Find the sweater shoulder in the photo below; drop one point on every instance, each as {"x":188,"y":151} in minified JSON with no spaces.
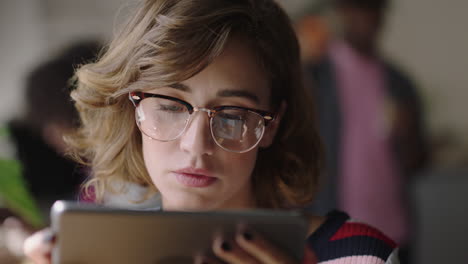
{"x":343,"y":239}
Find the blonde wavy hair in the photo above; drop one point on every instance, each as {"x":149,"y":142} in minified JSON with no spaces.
{"x":169,"y":41}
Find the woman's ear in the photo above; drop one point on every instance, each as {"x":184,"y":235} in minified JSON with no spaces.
{"x":272,"y":128}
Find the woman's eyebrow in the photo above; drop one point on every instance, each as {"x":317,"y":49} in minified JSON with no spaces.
{"x":181,"y":87}
{"x":222,"y":93}
{"x":239,"y":93}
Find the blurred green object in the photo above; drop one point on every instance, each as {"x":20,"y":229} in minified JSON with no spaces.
{"x":16,"y":196}
{"x":4,"y":132}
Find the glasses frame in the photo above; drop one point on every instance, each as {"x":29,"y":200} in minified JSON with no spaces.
{"x":268,"y":117}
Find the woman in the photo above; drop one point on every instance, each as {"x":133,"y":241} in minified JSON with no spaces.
{"x":202,"y":101}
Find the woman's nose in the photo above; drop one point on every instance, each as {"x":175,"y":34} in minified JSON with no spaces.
{"x":197,"y":138}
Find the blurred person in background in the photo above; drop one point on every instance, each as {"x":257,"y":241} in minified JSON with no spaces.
{"x":38,"y":173}
{"x":50,"y":113}
{"x":370,"y":121}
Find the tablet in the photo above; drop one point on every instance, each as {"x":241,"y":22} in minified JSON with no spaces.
{"x":89,"y":234}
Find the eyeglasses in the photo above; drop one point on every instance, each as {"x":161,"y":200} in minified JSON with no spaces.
{"x":165,"y":118}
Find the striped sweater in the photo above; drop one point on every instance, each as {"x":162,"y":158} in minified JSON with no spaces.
{"x":342,"y":240}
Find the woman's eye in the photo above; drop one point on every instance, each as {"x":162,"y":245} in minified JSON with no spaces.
{"x":231,"y":116}
{"x":172,"y":108}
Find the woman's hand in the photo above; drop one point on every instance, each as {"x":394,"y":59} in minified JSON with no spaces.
{"x":15,"y":233}
{"x":38,"y":247}
{"x":249,"y":247}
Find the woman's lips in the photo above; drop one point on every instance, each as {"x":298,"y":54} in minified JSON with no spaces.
{"x":193,"y":177}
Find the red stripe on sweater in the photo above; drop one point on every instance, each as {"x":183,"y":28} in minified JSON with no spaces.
{"x":360,"y":229}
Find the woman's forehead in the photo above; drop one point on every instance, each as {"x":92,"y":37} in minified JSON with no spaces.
{"x":236,"y":69}
{"x":235,"y":72}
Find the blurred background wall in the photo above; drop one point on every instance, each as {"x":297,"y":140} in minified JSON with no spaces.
{"x":34,"y":30}
{"x":429,"y":39}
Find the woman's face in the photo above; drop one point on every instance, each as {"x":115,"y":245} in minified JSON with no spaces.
{"x":192,"y":172}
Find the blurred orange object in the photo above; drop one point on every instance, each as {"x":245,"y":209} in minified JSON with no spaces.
{"x":313,"y":35}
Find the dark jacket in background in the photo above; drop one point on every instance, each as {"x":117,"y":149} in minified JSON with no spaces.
{"x":49,"y":175}
{"x":407,"y":134}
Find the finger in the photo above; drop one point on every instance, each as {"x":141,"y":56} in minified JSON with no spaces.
{"x":309,"y":256}
{"x":38,"y":247}
{"x":229,"y":251}
{"x":16,"y":223}
{"x":15,"y":234}
{"x":258,"y":247}
{"x":12,"y":222}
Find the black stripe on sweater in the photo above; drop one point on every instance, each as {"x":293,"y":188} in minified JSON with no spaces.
{"x":353,"y":246}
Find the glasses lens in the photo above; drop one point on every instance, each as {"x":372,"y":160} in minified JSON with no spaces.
{"x":237,"y":130}
{"x":161,"y":119}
